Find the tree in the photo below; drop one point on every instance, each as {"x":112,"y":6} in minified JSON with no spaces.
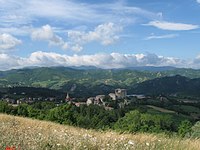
{"x":195,"y":133}
{"x":3,"y":106}
{"x":184,"y":128}
{"x":131,"y":122}
{"x":22,"y":110}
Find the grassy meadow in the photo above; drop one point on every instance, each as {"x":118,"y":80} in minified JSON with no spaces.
{"x":29,"y":134}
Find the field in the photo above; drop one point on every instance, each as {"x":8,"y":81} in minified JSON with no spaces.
{"x":31,"y":134}
{"x":161,"y":109}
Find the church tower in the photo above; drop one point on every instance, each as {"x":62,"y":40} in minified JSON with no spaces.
{"x":67,"y":99}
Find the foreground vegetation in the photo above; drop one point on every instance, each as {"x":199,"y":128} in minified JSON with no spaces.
{"x":132,"y":119}
{"x":33,"y":134}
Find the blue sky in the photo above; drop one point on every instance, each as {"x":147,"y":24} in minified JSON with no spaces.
{"x":105,"y":34}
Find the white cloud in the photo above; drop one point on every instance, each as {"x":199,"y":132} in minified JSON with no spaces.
{"x":167,"y":36}
{"x":7,"y":42}
{"x":43,"y":33}
{"x":21,"y":31}
{"x":46,"y":33}
{"x":198,"y":1}
{"x":113,"y":60}
{"x":24,"y":13}
{"x":105,"y":34}
{"x":9,"y":62}
{"x":172,"y":26}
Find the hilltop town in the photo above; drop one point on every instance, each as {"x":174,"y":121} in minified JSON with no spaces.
{"x":119,"y":98}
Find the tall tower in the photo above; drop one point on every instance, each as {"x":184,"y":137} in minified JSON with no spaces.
{"x":67,"y":99}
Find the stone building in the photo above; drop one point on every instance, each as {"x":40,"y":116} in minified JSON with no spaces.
{"x":120,"y":93}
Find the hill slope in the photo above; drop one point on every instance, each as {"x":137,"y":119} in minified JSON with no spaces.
{"x":33,"y":134}
{"x":87,"y":81}
{"x":169,"y":85}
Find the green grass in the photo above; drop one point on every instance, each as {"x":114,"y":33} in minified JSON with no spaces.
{"x":190,"y":109}
{"x":161,"y":109}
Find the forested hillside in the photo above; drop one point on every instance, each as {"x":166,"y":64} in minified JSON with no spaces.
{"x":87,"y":81}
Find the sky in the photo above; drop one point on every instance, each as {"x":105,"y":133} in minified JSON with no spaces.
{"x":105,"y":34}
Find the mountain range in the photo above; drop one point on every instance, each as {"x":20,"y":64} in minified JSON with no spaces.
{"x":89,"y":81}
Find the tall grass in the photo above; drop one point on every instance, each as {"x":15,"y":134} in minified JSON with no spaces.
{"x":31,"y":134}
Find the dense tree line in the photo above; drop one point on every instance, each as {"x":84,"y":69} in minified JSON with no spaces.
{"x":96,"y":117}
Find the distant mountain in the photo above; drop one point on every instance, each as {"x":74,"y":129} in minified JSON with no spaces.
{"x":87,"y":80}
{"x":152,"y":68}
{"x":84,"y":67}
{"x":31,"y":92}
{"x":178,"y":85}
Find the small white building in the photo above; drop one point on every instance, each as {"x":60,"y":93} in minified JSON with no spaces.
{"x":99,"y":98}
{"x":90,"y":100}
{"x":113,"y":96}
{"x":121,"y":93}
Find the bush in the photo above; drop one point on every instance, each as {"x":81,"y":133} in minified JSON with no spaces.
{"x":195,"y":133}
{"x":185,"y":128}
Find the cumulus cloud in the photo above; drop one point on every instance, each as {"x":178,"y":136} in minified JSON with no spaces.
{"x":105,"y":34}
{"x":7,"y":42}
{"x":197,"y":60}
{"x":164,"y":25}
{"x":46,"y":33}
{"x":113,"y":60}
{"x":166,"y":36}
{"x":9,"y":62}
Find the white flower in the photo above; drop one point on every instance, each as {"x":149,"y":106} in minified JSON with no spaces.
{"x":147,"y":144}
{"x":131,"y":142}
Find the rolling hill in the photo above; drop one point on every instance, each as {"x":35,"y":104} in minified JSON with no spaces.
{"x":176,"y":85}
{"x":89,"y":81}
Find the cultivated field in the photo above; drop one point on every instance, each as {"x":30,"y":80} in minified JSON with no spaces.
{"x":28,"y":134}
{"x":161,"y":109}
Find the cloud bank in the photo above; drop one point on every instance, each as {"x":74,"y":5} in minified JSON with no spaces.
{"x":106,"y":61}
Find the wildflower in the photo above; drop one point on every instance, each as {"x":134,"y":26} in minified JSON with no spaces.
{"x":58,"y":144}
{"x":130,"y":142}
{"x":147,"y":144}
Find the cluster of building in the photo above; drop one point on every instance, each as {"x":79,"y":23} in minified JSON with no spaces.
{"x":28,"y":100}
{"x":99,"y":99}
